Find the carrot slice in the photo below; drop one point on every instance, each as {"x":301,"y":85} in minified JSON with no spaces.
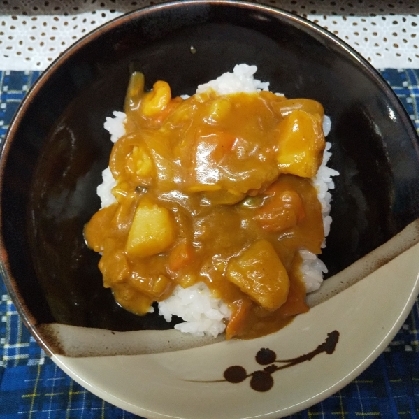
{"x":238,"y":318}
{"x":180,"y":255}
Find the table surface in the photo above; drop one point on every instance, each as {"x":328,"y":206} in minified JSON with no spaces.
{"x":32,"y":386}
{"x":33,"y":33}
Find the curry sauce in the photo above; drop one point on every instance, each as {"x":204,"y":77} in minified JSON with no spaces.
{"x":215,"y":189}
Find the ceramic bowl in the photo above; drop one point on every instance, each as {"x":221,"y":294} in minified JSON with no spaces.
{"x":51,"y":163}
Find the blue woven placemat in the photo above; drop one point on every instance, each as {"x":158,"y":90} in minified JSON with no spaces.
{"x":32,"y":386}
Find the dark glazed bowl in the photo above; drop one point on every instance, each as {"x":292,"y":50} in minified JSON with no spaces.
{"x":56,"y":147}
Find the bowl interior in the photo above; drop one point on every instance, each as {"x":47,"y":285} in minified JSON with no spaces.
{"x":57,"y":147}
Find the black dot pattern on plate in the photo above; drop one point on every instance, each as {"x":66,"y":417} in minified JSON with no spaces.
{"x":262,"y":379}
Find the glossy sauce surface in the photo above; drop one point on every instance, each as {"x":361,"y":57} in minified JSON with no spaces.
{"x":214,"y":189}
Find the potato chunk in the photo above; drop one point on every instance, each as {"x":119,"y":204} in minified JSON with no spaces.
{"x":152,"y":230}
{"x":301,"y":144}
{"x":260,"y":274}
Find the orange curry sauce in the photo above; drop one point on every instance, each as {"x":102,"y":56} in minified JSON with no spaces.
{"x":214,"y":189}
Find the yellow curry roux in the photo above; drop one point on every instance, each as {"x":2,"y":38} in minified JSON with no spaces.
{"x":214,"y":189}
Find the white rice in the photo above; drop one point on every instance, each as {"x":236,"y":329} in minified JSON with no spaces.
{"x":104,"y":190}
{"x":116,"y":125}
{"x":313,"y":268}
{"x":240,"y":80}
{"x":202,"y":313}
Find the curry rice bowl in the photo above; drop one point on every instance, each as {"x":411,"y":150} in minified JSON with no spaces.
{"x":204,"y":314}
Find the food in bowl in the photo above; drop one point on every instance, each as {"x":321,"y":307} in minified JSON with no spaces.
{"x":215,"y":206}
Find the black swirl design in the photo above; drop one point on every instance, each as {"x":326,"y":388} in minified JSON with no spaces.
{"x":262,"y":380}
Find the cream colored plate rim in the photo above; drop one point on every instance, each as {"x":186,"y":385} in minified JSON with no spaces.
{"x":189,"y":383}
